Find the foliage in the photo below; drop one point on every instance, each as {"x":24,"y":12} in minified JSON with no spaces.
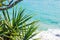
{"x":37,"y":39}
{"x":16,"y":28}
{"x":7,"y":4}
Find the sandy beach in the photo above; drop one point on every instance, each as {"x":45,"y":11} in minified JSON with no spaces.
{"x":50,"y":34}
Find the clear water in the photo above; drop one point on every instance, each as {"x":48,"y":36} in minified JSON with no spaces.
{"x":47,"y":11}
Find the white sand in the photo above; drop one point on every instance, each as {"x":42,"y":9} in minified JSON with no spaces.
{"x":50,"y":34}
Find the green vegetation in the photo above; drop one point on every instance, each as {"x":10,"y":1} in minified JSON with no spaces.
{"x":16,"y":28}
{"x":37,"y":39}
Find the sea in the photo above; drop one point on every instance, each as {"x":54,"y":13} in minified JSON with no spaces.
{"x":47,"y":11}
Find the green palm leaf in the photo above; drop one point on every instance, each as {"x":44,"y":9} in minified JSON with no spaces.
{"x":29,"y":32}
{"x":17,"y":26}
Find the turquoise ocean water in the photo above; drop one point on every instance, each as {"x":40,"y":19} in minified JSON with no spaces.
{"x":47,"y":11}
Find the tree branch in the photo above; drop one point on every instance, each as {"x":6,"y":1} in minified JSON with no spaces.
{"x":11,"y":5}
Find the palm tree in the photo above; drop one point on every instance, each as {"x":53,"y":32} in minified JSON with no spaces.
{"x":17,"y":28}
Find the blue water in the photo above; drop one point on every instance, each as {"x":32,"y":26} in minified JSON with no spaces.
{"x":47,"y":11}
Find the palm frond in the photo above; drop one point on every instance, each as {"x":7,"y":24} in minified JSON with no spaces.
{"x":17,"y":26}
{"x":29,"y":32}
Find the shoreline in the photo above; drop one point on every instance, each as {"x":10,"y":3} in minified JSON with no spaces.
{"x":50,"y":34}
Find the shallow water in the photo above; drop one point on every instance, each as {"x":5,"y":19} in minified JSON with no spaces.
{"x":47,"y":11}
